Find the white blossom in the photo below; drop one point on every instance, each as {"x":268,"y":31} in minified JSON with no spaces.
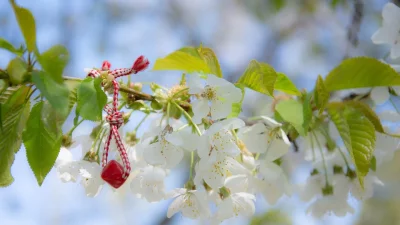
{"x":162,"y":152}
{"x":217,"y":91}
{"x":191,"y":203}
{"x":237,"y":203}
{"x":330,"y":204}
{"x":91,"y":177}
{"x":218,"y":141}
{"x":389,"y":33}
{"x":260,"y":137}
{"x":149,"y":183}
{"x":380,"y":95}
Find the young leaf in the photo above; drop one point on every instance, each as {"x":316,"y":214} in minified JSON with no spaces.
{"x":17,"y":69}
{"x":260,"y":77}
{"x":9,"y":47}
{"x":361,"y":72}
{"x":56,"y":93}
{"x":54,"y":60}
{"x":358,"y":135}
{"x":321,"y":95}
{"x":208,"y":55}
{"x":307,"y":111}
{"x":91,"y":99}
{"x":237,"y":106}
{"x":185,"y":59}
{"x":14,"y":114}
{"x":27,"y":25}
{"x":292,"y":111}
{"x":42,"y":143}
{"x":283,"y":83}
{"x":368,"y":112}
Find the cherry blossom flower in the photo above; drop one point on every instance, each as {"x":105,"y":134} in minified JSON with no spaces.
{"x":217,"y":91}
{"x":260,"y":137}
{"x":70,"y":170}
{"x":149,"y":183}
{"x":389,"y":33}
{"x":191,"y":203}
{"x":162,"y":152}
{"x":237,"y":203}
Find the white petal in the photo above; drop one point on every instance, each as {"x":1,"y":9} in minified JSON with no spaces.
{"x":254,"y":138}
{"x":391,"y":116}
{"x":380,"y":95}
{"x":277,"y":148}
{"x":216,"y":81}
{"x":385,"y":35}
{"x":175,"y":206}
{"x":200,"y":110}
{"x":270,"y":170}
{"x":172,"y":154}
{"x":184,"y":138}
{"x":391,"y":15}
{"x":195,"y":84}
{"x":395,"y":50}
{"x":152,"y":154}
{"x":237,"y":183}
{"x":244,"y":203}
{"x":220,"y":109}
{"x":229,"y":93}
{"x":228,"y":124}
{"x":64,"y":156}
{"x":271,"y":123}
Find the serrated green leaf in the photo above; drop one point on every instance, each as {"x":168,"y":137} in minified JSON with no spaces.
{"x":17,"y":69}
{"x":14,"y":114}
{"x":291,"y":111}
{"x":42,"y":140}
{"x":361,"y":72}
{"x":53,"y":61}
{"x":7,"y":93}
{"x":321,"y":94}
{"x":373,"y":163}
{"x":184,"y":59}
{"x":91,"y":99}
{"x":208,"y":55}
{"x":27,"y":25}
{"x":283,"y":83}
{"x":259,"y":77}
{"x":307,"y":112}
{"x":358,"y":135}
{"x":57,"y":94}
{"x":237,"y":106}
{"x":4,"y":44}
{"x":368,"y":112}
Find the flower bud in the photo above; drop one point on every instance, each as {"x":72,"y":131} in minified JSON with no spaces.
{"x":66,"y":141}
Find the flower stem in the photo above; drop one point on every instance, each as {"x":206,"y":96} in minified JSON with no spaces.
{"x":74,"y":127}
{"x":344,"y":158}
{"x":323,"y":158}
{"x":141,"y":122}
{"x":188,"y":117}
{"x":191,"y":165}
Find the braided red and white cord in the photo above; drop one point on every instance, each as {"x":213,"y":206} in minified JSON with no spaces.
{"x":114,"y":116}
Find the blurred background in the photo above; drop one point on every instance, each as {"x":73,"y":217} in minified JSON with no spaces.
{"x":302,"y":38}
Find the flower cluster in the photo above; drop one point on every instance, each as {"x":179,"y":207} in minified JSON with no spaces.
{"x":233,"y":159}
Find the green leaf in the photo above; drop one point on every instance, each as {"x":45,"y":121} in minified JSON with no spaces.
{"x":185,"y":59}
{"x":292,"y":111}
{"x":4,"y":44}
{"x":237,"y":106}
{"x":17,"y":69}
{"x":7,"y":93}
{"x":27,"y":25}
{"x":56,"y":93}
{"x":259,"y":77}
{"x":54,"y":60}
{"x":373,"y":164}
{"x":283,"y":83}
{"x":368,"y":112}
{"x":321,"y":94}
{"x":14,"y":114}
{"x":361,"y":72}
{"x":208,"y":55}
{"x":91,"y":99}
{"x":307,"y":112}
{"x":278,"y":4}
{"x":358,"y":135}
{"x":42,"y":142}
